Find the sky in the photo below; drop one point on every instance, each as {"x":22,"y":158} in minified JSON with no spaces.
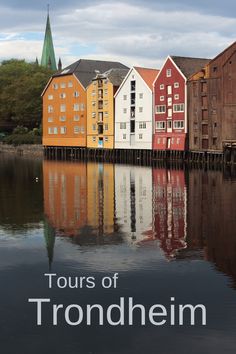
{"x":134,"y":32}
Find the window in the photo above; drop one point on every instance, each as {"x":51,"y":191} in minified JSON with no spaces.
{"x":106,"y":126}
{"x":106,"y":138}
{"x":160,"y":125}
{"x":125,"y":110}
{"x":55,"y":130}
{"x":93,"y":93}
{"x":169,"y":90}
{"x":76,"y":107}
{"x":141,"y":96}
{"x":160,"y":109}
{"x":140,"y":136}
{"x":82,"y":130}
{"x":94,"y":138}
{"x":62,"y":108}
{"x":76,"y":129}
{"x":168,"y":73}
{"x":105,"y":91}
{"x":179,"y":107}
{"x":178,"y":124}
{"x":55,"y":86}
{"x":50,"y":109}
{"x":70,"y":84}
{"x":176,"y":85}
{"x":125,"y":97}
{"x":76,"y":118}
{"x":63,"y":130}
{"x":124,"y":136}
{"x":50,"y":130}
{"x":76,"y":94}
{"x":50,"y":119}
{"x":94,"y":127}
{"x":50,"y":97}
{"x":132,"y":126}
{"x":169,"y":101}
{"x":62,"y":85}
{"x":162,"y":86}
{"x":62,"y":95}
{"x":122,"y":125}
{"x":142,"y":125}
{"x":162,"y":98}
{"x":176,"y":97}
{"x":169,"y":124}
{"x":82,"y":106}
{"x":132,"y":85}
{"x":94,"y":103}
{"x":62,"y":118}
{"x":169,"y":113}
{"x":93,"y":114}
{"x":140,"y":109}
{"x":105,"y":114}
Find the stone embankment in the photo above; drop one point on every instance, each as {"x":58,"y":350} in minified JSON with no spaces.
{"x":22,"y":150}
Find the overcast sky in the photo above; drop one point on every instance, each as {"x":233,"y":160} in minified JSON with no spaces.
{"x":135,"y":32}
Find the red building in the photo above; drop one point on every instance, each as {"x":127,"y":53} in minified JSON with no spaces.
{"x":170,"y":100}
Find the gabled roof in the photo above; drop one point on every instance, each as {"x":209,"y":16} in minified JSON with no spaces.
{"x":189,"y":66}
{"x":85,"y":69}
{"x":148,"y":75}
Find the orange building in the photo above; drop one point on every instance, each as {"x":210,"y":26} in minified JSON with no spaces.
{"x":65,"y":103}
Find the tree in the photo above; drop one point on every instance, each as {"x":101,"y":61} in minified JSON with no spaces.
{"x":21,"y":85}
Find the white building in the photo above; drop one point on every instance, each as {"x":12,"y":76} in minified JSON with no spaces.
{"x":134,"y":110}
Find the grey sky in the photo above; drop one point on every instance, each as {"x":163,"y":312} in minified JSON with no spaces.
{"x":136,"y":32}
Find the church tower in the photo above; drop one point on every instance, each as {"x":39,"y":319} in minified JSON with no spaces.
{"x":48,"y":56}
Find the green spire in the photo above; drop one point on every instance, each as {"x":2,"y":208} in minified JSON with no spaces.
{"x":48,"y":56}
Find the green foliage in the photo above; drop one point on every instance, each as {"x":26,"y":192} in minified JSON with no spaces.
{"x":21,"y":86}
{"x":19,"y":139}
{"x":20,"y":130}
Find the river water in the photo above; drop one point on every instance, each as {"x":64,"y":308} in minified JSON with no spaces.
{"x":168,"y":233}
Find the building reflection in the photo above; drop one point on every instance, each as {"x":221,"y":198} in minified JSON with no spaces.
{"x":169,"y":210}
{"x":133,"y":200}
{"x":191,"y":214}
{"x":212,"y":220}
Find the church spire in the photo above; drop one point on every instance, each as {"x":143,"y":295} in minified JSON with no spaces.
{"x":48,"y":56}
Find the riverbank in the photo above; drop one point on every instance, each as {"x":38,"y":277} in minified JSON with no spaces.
{"x":23,"y":150}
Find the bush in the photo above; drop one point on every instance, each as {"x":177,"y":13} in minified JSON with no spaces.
{"x":19,"y":139}
{"x":20,"y":130}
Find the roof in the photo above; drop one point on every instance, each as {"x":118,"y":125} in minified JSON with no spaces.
{"x":115,"y":76}
{"x":189,"y":66}
{"x":85,"y":69}
{"x":148,"y":75}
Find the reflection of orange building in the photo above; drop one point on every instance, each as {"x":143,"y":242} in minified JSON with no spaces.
{"x":100,"y":197}
{"x":65,"y":195}
{"x":169,"y":209}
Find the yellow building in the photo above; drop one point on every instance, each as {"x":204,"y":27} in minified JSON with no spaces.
{"x":101,"y":110}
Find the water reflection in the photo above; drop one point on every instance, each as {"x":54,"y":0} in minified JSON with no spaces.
{"x":190,"y":214}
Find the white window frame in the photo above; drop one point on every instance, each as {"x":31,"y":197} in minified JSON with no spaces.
{"x":178,"y":124}
{"x":176,"y":85}
{"x":162,"y":86}
{"x":168,"y":72}
{"x":161,"y":109}
{"x":160,"y":125}
{"x":62,"y":108}
{"x":178,"y":107}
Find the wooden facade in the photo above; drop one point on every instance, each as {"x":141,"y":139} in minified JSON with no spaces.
{"x":212,"y":104}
